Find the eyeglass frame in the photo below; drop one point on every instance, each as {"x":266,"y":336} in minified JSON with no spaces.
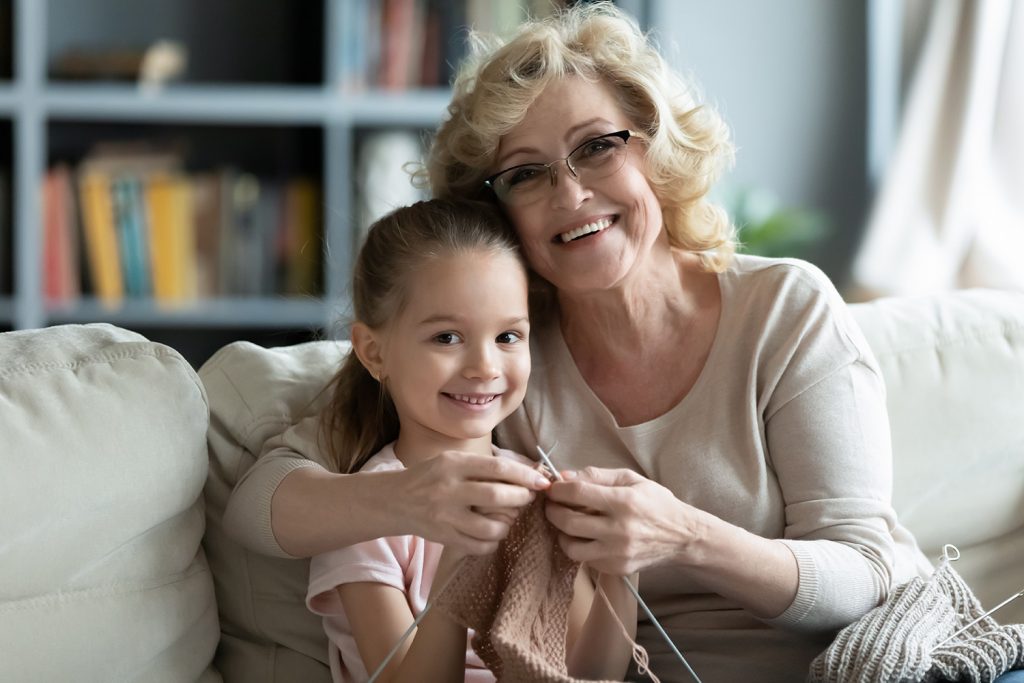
{"x":624,"y":134}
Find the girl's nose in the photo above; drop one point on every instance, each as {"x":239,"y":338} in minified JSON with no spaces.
{"x":482,"y":364}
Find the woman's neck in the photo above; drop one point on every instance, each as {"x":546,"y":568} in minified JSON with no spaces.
{"x":415,"y":444}
{"x":635,"y":314}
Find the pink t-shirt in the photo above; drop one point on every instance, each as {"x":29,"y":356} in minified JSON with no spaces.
{"x":408,"y":563}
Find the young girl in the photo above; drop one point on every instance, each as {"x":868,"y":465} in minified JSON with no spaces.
{"x":440,"y":356}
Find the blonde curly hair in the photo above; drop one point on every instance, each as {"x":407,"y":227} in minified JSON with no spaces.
{"x":688,"y":144}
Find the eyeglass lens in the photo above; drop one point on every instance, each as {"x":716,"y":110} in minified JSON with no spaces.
{"x":594,"y":159}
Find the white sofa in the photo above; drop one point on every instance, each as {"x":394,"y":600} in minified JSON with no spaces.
{"x":112,"y":446}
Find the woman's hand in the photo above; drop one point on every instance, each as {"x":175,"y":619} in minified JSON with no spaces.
{"x":467,"y":502}
{"x":618,"y":522}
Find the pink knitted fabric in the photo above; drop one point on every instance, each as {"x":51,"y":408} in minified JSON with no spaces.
{"x":517,"y":600}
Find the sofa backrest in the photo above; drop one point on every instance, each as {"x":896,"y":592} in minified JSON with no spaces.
{"x":256,"y":393}
{"x":102,"y":577}
{"x":954,"y":373}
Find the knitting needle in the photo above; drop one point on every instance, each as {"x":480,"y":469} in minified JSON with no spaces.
{"x":632,"y":589}
{"x":1002,"y":604}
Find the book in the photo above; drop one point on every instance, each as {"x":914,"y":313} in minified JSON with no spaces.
{"x":242,"y":242}
{"x":100,"y":236}
{"x":132,"y":233}
{"x":6,"y":228}
{"x":301,"y":242}
{"x":207,"y":221}
{"x":399,"y":40}
{"x":172,"y":239}
{"x":60,"y":238}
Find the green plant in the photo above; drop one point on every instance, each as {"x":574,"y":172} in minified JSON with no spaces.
{"x":767,"y":229}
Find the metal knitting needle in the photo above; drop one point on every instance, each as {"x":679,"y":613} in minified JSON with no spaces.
{"x":632,"y":589}
{"x":1002,"y":604}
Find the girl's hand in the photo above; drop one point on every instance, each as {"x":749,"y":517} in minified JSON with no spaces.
{"x":466,"y":502}
{"x":618,"y":522}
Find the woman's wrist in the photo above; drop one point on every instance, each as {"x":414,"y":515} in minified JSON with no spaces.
{"x":693,"y":536}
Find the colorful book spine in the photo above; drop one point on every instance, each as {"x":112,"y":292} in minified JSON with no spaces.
{"x":172,"y":243}
{"x":100,"y":233}
{"x":130,"y":220}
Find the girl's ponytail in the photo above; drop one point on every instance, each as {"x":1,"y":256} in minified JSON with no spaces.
{"x":360,"y":418}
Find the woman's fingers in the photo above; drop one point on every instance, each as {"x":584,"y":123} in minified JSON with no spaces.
{"x":603,"y":476}
{"x":492,"y":469}
{"x":593,"y":488}
{"x":583,"y":524}
{"x":618,"y":521}
{"x":468,"y":501}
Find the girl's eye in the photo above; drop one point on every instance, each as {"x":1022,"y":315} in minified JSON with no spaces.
{"x":447,"y":338}
{"x":509,"y":338}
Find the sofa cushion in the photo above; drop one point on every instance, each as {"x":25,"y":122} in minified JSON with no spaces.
{"x":256,"y":393}
{"x":954,"y":374}
{"x":102,"y":576}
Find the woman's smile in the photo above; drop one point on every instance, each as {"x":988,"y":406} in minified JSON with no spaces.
{"x":590,"y":227}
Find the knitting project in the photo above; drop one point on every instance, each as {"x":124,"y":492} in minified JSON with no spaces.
{"x":907,"y":638}
{"x":517,"y":602}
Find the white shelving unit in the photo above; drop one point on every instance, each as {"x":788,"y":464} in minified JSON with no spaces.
{"x":33,"y":104}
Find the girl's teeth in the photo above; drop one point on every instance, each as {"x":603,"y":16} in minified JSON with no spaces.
{"x":596,"y":226}
{"x":475,"y":400}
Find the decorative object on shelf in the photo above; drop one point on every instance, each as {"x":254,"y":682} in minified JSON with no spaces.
{"x":382,"y":181}
{"x":151,"y":66}
{"x":164,"y":61}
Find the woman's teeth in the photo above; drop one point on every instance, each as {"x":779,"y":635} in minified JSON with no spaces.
{"x":589,"y":228}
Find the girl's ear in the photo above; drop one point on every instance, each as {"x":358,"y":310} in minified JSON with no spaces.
{"x":368,"y":349}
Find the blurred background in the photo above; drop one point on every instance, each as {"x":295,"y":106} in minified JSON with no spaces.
{"x":201,"y":170}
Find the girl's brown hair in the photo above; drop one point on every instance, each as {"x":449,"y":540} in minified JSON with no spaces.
{"x":360,"y":417}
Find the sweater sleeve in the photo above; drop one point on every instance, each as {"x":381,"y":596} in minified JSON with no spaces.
{"x":831,"y":452}
{"x":247,"y":515}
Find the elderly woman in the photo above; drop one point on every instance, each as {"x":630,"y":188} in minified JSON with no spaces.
{"x":722,"y":419}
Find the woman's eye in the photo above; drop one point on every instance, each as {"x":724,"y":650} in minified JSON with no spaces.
{"x":597,"y":147}
{"x":509,"y":338}
{"x":523,"y":175}
{"x":447,"y":338}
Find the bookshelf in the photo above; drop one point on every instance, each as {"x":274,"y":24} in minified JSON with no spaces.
{"x":287,"y":93}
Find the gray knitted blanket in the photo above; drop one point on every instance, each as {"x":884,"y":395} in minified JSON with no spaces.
{"x":908,"y":638}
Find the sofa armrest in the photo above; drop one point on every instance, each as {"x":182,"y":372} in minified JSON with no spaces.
{"x":102,"y":576}
{"x":954,"y":373}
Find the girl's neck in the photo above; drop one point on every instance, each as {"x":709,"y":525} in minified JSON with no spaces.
{"x":413,"y":445}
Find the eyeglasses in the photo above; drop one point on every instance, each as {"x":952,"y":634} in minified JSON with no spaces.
{"x":594,"y":159}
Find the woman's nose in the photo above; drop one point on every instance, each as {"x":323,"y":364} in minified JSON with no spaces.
{"x":567,"y":191}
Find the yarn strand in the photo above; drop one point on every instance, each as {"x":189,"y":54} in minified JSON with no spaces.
{"x":640,"y":656}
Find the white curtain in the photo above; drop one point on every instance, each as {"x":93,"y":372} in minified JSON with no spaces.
{"x":950,"y":210}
